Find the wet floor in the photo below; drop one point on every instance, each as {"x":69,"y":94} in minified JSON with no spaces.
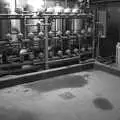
{"x":68,"y":81}
{"x":90,"y":95}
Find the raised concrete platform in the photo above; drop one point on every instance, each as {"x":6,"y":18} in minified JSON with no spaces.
{"x":15,"y":79}
{"x":85,"y":95}
{"x":40,"y":75}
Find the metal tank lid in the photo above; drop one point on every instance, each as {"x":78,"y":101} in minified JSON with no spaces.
{"x":76,"y":9}
{"x":67,"y":10}
{"x":50,"y":10}
{"x":58,"y":8}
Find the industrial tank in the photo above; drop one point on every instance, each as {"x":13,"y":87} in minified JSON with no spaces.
{"x":76,"y":23}
{"x":68,"y":21}
{"x":4,"y":24}
{"x":29,"y":23}
{"x":33,"y":7}
{"x":58,"y":24}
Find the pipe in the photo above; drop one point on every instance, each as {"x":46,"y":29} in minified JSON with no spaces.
{"x":15,"y":4}
{"x":105,"y":2}
{"x":45,"y":4}
{"x":66,"y":2}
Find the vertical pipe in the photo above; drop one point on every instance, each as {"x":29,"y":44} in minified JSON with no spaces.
{"x":25,"y":28}
{"x":66,"y":2}
{"x":97,"y":45}
{"x":45,"y":4}
{"x":15,"y":4}
{"x":79,"y":40}
{"x":46,"y":42}
{"x":93,"y":34}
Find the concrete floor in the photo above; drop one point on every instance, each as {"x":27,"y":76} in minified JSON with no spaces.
{"x":90,"y":95}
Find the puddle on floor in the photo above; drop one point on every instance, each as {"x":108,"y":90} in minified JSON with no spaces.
{"x":58,"y":83}
{"x":103,"y":103}
{"x":67,"y":96}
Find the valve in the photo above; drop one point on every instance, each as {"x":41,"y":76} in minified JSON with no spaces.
{"x":36,"y":43}
{"x":23,"y":54}
{"x":83,"y":49}
{"x":67,"y":32}
{"x":20,"y":36}
{"x":51,"y":34}
{"x":8,"y":37}
{"x":41,"y":55}
{"x":60,"y":53}
{"x":23,"y":51}
{"x":20,"y":39}
{"x":31,"y":35}
{"x":50,"y":54}
{"x":59,"y":33}
{"x":41,"y":35}
{"x":76,"y":51}
{"x":68,"y":52}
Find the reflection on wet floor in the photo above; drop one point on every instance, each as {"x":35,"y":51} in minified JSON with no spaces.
{"x":59,"y":83}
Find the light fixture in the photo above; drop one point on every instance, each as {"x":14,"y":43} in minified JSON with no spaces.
{"x":36,"y":4}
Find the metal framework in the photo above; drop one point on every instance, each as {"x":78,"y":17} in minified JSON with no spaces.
{"x":47,"y":62}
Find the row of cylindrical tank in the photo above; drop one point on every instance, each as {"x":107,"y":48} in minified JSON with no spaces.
{"x":4,"y":24}
{"x":62,"y":24}
{"x":74,"y":25}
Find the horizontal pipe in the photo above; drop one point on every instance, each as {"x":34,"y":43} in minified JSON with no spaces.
{"x":30,"y":24}
{"x":105,"y":2}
